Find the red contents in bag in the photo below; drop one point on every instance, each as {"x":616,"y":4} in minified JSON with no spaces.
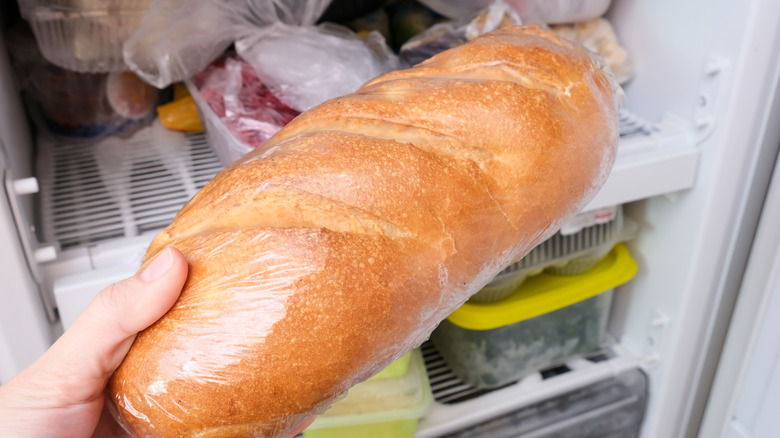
{"x":243,"y":103}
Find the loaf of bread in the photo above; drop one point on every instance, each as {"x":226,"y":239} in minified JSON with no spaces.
{"x":341,"y":243}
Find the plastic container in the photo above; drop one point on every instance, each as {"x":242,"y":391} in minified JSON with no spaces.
{"x":586,"y":240}
{"x":612,"y":408}
{"x":548,"y":320}
{"x":395,"y":369}
{"x":227,"y":147}
{"x":539,"y":11}
{"x":89,"y":105}
{"x":84,"y":35}
{"x":379,"y":407}
{"x":579,"y":246}
{"x":74,"y":105}
{"x":237,"y":110}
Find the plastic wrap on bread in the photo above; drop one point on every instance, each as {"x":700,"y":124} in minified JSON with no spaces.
{"x":340,"y":243}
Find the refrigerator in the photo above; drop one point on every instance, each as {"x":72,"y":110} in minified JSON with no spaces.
{"x":697,"y":169}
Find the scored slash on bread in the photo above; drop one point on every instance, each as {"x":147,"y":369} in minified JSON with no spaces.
{"x":340,"y":243}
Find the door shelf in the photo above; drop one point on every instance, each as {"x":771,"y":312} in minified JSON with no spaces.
{"x":652,"y":160}
{"x":118,"y":188}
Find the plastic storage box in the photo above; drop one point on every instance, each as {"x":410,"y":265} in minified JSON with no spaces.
{"x":579,"y":246}
{"x":84,"y":35}
{"x":395,"y":369}
{"x":612,"y":408}
{"x":548,"y":320}
{"x":227,"y":147}
{"x":381,"y":407}
{"x":237,"y":110}
{"x":74,"y":105}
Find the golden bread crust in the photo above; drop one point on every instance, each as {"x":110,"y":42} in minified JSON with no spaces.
{"x":343,"y":241}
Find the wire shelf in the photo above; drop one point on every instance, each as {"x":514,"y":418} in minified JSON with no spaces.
{"x":119,"y":188}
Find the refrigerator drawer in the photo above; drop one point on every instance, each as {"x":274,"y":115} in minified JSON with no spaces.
{"x":611,"y":408}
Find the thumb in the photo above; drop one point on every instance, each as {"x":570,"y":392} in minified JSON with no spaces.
{"x":97,"y":342}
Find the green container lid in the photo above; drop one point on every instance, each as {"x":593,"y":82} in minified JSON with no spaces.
{"x":395,"y":369}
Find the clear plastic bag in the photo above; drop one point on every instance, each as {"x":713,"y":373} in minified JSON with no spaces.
{"x":179,"y":38}
{"x":531,"y":11}
{"x":239,"y":112}
{"x":307,"y":65}
{"x":444,"y":36}
{"x":598,"y":36}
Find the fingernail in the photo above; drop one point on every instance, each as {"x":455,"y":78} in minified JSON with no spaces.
{"x":159,"y":266}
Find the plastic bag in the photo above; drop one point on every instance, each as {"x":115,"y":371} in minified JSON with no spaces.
{"x":444,"y":36}
{"x":307,"y":65}
{"x":179,"y":38}
{"x":531,"y":11}
{"x":241,"y":101}
{"x":599,"y":36}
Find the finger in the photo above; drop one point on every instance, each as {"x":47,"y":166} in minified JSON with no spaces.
{"x":97,"y":342}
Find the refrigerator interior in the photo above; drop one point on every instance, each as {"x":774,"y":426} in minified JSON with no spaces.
{"x":692,"y":170}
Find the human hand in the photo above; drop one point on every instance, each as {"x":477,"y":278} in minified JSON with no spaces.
{"x":61,"y":394}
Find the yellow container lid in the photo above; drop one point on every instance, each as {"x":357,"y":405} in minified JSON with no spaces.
{"x":545,"y":293}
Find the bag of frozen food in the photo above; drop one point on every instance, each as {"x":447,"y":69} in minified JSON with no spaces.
{"x":179,"y":38}
{"x":307,"y":65}
{"x":531,"y":11}
{"x":241,"y":101}
{"x":444,"y":36}
{"x":598,"y":36}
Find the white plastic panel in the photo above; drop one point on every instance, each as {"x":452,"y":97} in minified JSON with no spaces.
{"x":661,"y":160}
{"x":15,"y":144}
{"x":78,"y":280}
{"x":25,"y":332}
{"x":668,"y":43}
{"x":73,"y":293}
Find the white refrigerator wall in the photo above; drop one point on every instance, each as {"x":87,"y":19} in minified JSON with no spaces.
{"x":713,"y":65}
{"x":25,"y":331}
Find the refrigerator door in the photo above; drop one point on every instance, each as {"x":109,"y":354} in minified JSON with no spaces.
{"x":745,"y":397}
{"x":694,"y":247}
